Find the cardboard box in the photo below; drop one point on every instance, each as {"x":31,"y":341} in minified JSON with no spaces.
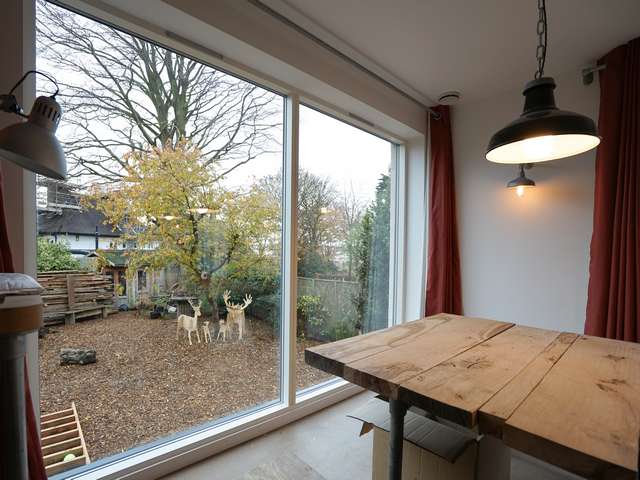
{"x":432,"y":449}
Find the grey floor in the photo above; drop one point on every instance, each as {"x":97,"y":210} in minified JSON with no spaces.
{"x":328,"y":442}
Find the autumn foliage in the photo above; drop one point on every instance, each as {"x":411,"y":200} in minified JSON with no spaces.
{"x":174,"y":209}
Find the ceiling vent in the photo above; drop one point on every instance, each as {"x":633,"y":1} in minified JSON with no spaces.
{"x":449,"y":98}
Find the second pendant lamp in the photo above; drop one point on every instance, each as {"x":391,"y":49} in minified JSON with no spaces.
{"x":542,"y":132}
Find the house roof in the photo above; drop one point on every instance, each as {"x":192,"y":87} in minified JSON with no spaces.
{"x":73,"y":221}
{"x":115,"y":258}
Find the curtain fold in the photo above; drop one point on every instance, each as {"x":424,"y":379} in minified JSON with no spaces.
{"x":614,"y":268}
{"x":34,"y":451}
{"x":444,"y":291}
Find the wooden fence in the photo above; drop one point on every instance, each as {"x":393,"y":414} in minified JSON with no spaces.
{"x":71,"y":294}
{"x":337,"y":295}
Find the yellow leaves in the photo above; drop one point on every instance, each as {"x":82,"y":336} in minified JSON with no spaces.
{"x":177,"y":210}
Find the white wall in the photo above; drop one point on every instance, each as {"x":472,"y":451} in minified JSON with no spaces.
{"x":524,"y":260}
{"x":82,"y":242}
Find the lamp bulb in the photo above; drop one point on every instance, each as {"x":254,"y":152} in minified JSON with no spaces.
{"x":520,"y":191}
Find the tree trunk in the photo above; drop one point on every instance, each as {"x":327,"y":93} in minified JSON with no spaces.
{"x":215,"y":314}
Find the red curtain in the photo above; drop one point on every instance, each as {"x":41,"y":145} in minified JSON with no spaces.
{"x":444,"y":293}
{"x":34,"y":452}
{"x":614,"y":269}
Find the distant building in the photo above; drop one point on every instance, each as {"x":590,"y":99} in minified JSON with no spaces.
{"x":83,"y":231}
{"x":62,"y":219}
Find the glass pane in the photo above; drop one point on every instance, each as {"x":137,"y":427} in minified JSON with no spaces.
{"x":167,"y":223}
{"x":343,"y":235}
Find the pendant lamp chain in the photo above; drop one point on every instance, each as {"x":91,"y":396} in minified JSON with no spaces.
{"x":541,"y":51}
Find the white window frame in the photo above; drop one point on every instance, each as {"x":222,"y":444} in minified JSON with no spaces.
{"x":174,"y":452}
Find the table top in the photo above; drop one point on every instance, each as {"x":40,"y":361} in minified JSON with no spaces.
{"x":571,"y":400}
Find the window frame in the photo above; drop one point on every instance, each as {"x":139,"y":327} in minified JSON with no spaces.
{"x":179,"y":450}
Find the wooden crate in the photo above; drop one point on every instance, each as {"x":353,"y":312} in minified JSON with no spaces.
{"x":61,"y":435}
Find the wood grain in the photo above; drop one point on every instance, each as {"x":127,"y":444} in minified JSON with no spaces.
{"x":457,"y":388}
{"x":584,"y":415}
{"x":500,"y":407}
{"x":385,"y":371}
{"x":332,"y":357}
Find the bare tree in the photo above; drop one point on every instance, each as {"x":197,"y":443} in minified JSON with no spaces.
{"x":317,"y":214}
{"x":120,"y":93}
{"x":319,"y":218}
{"x":351,"y":211}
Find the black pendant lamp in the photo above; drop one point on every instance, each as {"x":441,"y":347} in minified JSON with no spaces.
{"x":542,"y":132}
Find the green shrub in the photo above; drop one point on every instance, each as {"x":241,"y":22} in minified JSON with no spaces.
{"x":262,"y":282}
{"x":54,"y":256}
{"x":312,"y":317}
{"x":342,"y":329}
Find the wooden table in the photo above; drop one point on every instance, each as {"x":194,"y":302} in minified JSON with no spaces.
{"x":570,"y":400}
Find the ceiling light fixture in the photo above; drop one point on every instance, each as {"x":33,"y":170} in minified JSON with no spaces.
{"x":521,"y":182}
{"x":542,"y":132}
{"x":33,"y":144}
{"x":449,"y":98}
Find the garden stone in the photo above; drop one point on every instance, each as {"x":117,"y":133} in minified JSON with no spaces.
{"x":77,"y":356}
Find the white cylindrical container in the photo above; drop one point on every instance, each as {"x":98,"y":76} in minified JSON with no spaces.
{"x":20,"y":313}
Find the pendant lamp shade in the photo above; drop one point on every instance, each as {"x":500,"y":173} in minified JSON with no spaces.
{"x":33,"y":144}
{"x":542,"y":132}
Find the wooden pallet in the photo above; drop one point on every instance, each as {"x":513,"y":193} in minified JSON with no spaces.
{"x":72,"y":294}
{"x":61,"y":435}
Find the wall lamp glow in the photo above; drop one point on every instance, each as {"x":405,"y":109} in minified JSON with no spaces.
{"x":521,"y":182}
{"x":33,"y":144}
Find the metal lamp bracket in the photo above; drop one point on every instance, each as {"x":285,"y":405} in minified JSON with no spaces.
{"x":9,"y":104}
{"x":588,"y":73}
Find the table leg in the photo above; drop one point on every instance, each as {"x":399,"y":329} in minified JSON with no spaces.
{"x":397,"y":410}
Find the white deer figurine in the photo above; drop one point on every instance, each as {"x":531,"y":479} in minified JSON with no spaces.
{"x":236,"y":312}
{"x":190,"y":324}
{"x":206,"y":332}
{"x":223,"y":331}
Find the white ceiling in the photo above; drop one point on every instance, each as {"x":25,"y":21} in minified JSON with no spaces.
{"x":479,"y":47}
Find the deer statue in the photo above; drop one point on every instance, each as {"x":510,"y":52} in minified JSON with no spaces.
{"x":236,"y":312}
{"x":206,"y":332}
{"x":190,"y":324}
{"x":223,"y":331}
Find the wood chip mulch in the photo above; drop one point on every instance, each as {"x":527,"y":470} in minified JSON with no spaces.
{"x":146,"y":384}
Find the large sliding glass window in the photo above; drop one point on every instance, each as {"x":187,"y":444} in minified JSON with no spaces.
{"x":344,"y":231}
{"x":162,"y":254}
{"x":166,"y":225}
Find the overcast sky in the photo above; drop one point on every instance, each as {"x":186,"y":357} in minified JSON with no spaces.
{"x":351,"y":158}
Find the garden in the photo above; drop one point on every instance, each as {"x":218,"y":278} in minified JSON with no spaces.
{"x":146,"y":384}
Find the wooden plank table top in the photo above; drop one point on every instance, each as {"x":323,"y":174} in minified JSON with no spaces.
{"x":568,"y":399}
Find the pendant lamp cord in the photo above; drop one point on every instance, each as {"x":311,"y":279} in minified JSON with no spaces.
{"x":36,"y":72}
{"x":541,"y":51}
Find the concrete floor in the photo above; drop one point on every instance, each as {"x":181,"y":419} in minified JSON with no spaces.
{"x":327,"y":441}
